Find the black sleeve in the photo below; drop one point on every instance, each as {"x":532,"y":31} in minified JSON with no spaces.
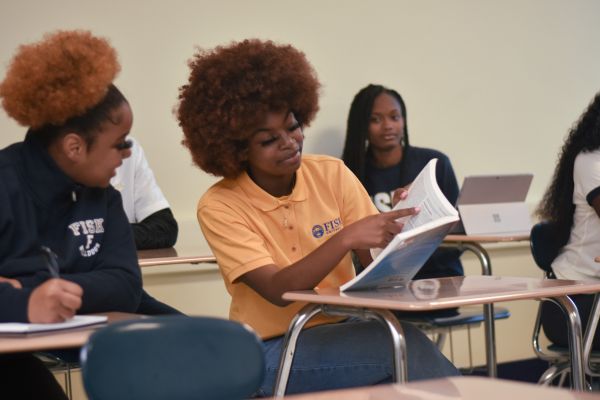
{"x":156,"y":231}
{"x":447,"y":180}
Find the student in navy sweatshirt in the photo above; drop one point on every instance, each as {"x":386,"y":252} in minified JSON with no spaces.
{"x":56,"y":203}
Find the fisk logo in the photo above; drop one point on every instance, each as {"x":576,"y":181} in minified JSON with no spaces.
{"x":87,"y":231}
{"x":327,"y":228}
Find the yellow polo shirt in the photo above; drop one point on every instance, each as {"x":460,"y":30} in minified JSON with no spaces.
{"x":247,"y":228}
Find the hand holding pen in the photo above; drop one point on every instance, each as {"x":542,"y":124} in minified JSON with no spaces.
{"x":56,"y":299}
{"x":51,"y":261}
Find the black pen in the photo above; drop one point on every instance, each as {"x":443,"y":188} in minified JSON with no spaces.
{"x":51,"y":261}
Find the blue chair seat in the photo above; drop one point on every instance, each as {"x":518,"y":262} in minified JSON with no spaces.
{"x":467,"y":315}
{"x":172,"y":357}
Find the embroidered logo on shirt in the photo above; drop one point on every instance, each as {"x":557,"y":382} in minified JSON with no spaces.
{"x":87,"y":230}
{"x":327,"y":228}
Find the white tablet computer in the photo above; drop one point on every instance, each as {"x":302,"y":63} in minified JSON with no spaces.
{"x":495,"y":204}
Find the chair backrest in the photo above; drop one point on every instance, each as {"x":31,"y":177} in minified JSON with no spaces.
{"x":545,"y":245}
{"x":172,"y":357}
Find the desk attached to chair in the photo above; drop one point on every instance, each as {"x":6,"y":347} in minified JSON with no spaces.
{"x":445,"y":293}
{"x":61,"y":339}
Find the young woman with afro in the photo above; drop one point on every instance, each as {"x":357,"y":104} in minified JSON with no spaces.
{"x":56,"y":204}
{"x":280,"y":220}
{"x":572,"y":206}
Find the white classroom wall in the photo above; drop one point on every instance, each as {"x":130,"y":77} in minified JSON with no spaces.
{"x":495,"y":84}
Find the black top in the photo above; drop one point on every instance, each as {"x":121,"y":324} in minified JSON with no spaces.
{"x":86,"y":227}
{"x":380,"y":182}
{"x":156,"y":231}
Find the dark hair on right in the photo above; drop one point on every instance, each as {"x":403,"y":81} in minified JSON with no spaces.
{"x":557,"y":204}
{"x":357,"y":129}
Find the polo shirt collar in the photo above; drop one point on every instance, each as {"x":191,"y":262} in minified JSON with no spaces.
{"x":264,"y":201}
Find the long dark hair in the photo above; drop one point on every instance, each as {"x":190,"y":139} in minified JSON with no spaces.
{"x":88,"y":124}
{"x":357,"y":130}
{"x":557,"y":204}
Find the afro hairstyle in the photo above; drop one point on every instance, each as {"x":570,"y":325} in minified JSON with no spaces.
{"x":230,"y":91}
{"x":60,"y":77}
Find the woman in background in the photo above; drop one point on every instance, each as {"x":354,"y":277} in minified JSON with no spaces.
{"x":572,"y":205}
{"x":147,"y":209}
{"x":377,"y":150}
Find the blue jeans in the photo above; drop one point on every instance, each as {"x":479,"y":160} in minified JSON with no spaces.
{"x":350,"y":354}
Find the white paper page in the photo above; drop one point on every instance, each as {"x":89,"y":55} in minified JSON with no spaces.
{"x":424,"y":193}
{"x":75,"y":322}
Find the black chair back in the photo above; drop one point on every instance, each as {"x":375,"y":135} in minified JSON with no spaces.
{"x":545,"y":245}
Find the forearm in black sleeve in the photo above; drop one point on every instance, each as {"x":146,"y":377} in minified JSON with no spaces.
{"x":156,"y":231}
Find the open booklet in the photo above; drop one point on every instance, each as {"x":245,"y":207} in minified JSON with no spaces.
{"x":421,"y":235}
{"x":18,"y":328}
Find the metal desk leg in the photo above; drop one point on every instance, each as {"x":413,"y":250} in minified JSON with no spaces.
{"x":399,"y":342}
{"x":575,"y":345}
{"x":310,"y":310}
{"x":289,"y":346}
{"x":390,"y":321}
{"x":488,"y":309}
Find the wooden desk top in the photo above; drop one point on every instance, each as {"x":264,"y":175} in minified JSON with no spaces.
{"x":69,"y":338}
{"x":172,"y":255}
{"x":485,"y":238}
{"x":434,"y":294}
{"x":464,"y":387}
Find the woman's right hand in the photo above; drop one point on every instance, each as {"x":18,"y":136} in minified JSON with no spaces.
{"x":55,"y":300}
{"x":376,"y":230}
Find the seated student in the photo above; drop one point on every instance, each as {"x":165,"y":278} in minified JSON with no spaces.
{"x":572,"y":204}
{"x":148,"y":212}
{"x":147,"y":209}
{"x":55,"y":184}
{"x":22,"y":375}
{"x":377,"y":150}
{"x":243,"y":112}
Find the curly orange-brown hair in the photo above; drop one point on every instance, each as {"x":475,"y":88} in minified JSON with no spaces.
{"x":230,"y":91}
{"x":60,"y":77}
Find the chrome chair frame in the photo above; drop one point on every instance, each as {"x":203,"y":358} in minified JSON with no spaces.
{"x":557,"y":356}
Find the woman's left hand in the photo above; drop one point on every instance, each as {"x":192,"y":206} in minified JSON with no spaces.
{"x":399,"y":194}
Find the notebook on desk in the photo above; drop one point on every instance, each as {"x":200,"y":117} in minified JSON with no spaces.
{"x":78,"y":321}
{"x":494,"y":205}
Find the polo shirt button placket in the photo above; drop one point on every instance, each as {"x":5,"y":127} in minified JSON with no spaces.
{"x":286,"y":208}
